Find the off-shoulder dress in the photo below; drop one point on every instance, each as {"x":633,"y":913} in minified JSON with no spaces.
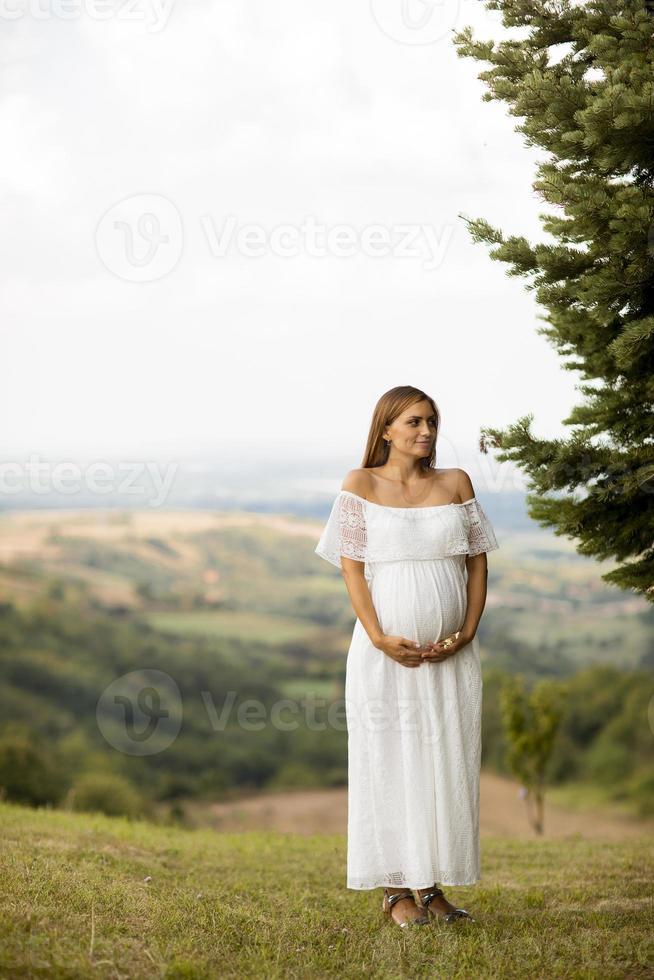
{"x":414,"y":734}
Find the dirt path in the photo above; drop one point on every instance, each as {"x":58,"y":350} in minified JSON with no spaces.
{"x":502,"y":813}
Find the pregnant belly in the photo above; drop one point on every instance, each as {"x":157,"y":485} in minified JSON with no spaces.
{"x":421,"y":600}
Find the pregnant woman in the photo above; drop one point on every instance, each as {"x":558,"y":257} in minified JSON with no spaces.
{"x":411,"y":542}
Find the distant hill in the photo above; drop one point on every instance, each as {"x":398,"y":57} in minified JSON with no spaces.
{"x":547,"y":612}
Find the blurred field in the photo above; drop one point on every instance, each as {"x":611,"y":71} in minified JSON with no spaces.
{"x":502,"y":813}
{"x":46,"y":540}
{"x":259,"y":628}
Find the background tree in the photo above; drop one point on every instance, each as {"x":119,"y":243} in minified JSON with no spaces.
{"x":531,"y":722}
{"x":581,"y":78}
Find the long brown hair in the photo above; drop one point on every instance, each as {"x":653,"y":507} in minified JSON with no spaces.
{"x":391,"y":405}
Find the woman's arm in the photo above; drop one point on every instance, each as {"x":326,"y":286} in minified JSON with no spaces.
{"x":476,"y":593}
{"x":357,"y":587}
{"x":477,"y":566}
{"x":356,"y":481}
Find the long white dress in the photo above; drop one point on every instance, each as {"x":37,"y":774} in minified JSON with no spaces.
{"x":414,"y":734}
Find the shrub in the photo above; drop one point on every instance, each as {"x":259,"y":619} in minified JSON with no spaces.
{"x":105,"y":793}
{"x":29,"y":773}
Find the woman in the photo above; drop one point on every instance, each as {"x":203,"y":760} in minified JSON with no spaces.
{"x":410,"y":541}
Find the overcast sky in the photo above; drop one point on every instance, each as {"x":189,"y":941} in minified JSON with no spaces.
{"x":170,"y":174}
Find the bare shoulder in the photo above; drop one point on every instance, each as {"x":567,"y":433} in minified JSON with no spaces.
{"x":357,"y":481}
{"x":464,"y":485}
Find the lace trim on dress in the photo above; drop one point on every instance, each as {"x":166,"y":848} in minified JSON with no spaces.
{"x":352,"y":521}
{"x":481,"y":536}
{"x":368,"y":532}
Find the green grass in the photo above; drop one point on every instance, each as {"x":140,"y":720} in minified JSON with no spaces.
{"x":76,"y":903}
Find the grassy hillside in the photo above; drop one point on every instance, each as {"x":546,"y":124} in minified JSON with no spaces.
{"x":85,"y":895}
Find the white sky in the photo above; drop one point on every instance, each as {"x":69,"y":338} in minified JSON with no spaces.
{"x":273,"y":114}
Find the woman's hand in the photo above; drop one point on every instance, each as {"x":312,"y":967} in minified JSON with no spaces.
{"x":446,"y":647}
{"x":398,"y":648}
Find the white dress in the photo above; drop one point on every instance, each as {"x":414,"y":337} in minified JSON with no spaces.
{"x":414,"y":734}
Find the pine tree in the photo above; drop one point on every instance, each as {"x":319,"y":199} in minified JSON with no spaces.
{"x":581,"y":78}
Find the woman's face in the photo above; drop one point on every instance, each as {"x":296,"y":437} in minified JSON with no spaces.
{"x":414,"y":431}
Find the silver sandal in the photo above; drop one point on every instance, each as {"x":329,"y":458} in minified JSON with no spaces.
{"x":446,"y":916}
{"x":388,"y":901}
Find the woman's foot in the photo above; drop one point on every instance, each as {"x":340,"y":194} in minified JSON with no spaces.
{"x":439,"y":906}
{"x":404,"y":911}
